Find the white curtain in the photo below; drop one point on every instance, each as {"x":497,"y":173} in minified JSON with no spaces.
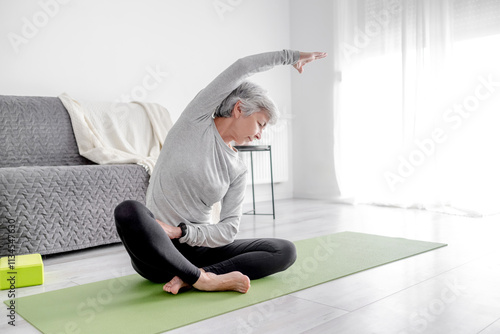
{"x":417,"y":104}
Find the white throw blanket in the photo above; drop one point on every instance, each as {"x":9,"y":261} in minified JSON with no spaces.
{"x":118,"y":133}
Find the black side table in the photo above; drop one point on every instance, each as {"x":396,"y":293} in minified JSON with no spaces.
{"x":258,"y":148}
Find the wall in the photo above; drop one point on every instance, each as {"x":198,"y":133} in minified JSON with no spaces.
{"x":312,"y":29}
{"x":159,"y":51}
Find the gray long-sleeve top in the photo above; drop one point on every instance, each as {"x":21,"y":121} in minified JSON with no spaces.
{"x":196,"y":168}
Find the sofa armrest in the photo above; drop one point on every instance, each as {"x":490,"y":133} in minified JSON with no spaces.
{"x":55,"y":209}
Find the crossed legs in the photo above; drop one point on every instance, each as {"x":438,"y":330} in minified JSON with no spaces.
{"x":159,"y":259}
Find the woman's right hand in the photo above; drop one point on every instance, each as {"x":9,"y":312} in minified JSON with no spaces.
{"x":307,"y":57}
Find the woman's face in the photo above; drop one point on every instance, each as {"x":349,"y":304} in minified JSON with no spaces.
{"x":247,"y":129}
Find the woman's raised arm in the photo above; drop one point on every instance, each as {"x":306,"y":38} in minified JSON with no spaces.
{"x":307,"y":57}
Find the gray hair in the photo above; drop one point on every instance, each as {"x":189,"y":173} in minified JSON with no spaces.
{"x":253,"y":99}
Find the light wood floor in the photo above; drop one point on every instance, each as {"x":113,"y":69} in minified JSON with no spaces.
{"x":454,"y":289}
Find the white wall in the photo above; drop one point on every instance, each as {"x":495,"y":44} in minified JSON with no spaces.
{"x":312,"y":29}
{"x":109,"y":50}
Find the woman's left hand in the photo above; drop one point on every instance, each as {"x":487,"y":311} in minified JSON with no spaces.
{"x":173,"y":232}
{"x":307,"y":57}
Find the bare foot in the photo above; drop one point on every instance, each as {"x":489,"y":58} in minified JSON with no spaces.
{"x":233,"y":281}
{"x":175,"y":285}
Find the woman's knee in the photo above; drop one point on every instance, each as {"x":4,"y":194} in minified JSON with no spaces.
{"x":128,"y":211}
{"x":287,"y":251}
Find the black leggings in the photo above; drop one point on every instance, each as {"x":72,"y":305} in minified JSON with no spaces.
{"x":158,"y":258}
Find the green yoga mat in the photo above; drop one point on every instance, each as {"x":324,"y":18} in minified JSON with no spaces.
{"x":131,"y":304}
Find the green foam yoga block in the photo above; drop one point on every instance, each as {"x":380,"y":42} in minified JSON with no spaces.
{"x":21,"y":270}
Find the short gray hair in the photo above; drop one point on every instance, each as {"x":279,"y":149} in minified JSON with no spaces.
{"x":253,"y":99}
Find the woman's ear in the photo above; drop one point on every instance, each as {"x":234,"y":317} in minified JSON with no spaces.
{"x":237,"y":110}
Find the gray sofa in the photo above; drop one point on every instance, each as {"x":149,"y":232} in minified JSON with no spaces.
{"x":52,"y":199}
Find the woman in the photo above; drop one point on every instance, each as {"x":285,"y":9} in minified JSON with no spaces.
{"x":171,"y":240}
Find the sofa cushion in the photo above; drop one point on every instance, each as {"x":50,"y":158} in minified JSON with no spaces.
{"x":55,"y":209}
{"x":36,"y":131}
